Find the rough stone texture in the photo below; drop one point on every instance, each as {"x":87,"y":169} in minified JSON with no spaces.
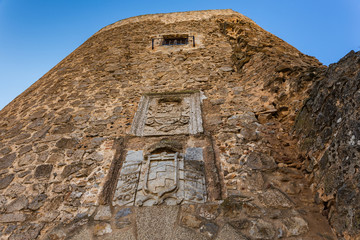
{"x":12,"y":217}
{"x":123,"y":235}
{"x":156,"y":222}
{"x":104,"y":213}
{"x":64,"y":140}
{"x":43,"y":171}
{"x":229,"y":233}
{"x":6,"y":180}
{"x":328,"y":126}
{"x":83,"y":234}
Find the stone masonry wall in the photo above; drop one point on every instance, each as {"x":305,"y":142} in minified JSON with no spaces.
{"x":329,"y":129}
{"x":62,"y":139}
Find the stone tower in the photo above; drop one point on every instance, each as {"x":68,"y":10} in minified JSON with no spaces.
{"x":165,"y":126}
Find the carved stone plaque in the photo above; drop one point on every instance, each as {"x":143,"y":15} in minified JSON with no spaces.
{"x":168,"y":114}
{"x":170,"y":178}
{"x":128,"y":179}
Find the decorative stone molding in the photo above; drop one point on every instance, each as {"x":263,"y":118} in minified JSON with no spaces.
{"x":170,"y":178}
{"x":168,"y":114}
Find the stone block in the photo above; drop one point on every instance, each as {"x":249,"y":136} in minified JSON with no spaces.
{"x":66,"y":143}
{"x":103,"y":213}
{"x":190,"y":221}
{"x":156,"y":222}
{"x":5,"y":150}
{"x":7,"y":161}
{"x":25,"y":149}
{"x":15,"y":190}
{"x":181,"y":233}
{"x":83,"y":234}
{"x":102,"y":229}
{"x":18,"y":204}
{"x":124,"y":234}
{"x":37,"y":202}
{"x":209,"y":229}
{"x":43,"y":171}
{"x":275,"y":198}
{"x":294,"y":226}
{"x":12,"y":217}
{"x":123,"y":213}
{"x":71,"y":169}
{"x":5,"y":181}
{"x":134,"y":156}
{"x":194,"y":154}
{"x":229,"y":233}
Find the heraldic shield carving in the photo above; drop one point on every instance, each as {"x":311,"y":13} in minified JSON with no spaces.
{"x":163,"y":174}
{"x":170,"y":114}
{"x":169,"y":178}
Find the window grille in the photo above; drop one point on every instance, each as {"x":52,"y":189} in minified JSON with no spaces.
{"x":173,"y":40}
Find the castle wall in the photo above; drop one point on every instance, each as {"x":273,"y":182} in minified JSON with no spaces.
{"x":64,"y":140}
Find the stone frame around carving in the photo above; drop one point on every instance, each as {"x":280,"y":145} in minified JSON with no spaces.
{"x":195,"y":121}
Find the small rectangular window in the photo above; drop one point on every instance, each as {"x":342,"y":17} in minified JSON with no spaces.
{"x":175,"y":41}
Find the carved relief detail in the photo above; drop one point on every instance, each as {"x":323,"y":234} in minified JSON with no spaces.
{"x":160,"y":180}
{"x":168,"y":115}
{"x":128,"y":180}
{"x":169,"y":178}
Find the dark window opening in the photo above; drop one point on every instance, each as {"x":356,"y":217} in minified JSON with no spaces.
{"x":175,"y":41}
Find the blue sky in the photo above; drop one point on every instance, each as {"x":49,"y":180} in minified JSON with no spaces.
{"x":35,"y":35}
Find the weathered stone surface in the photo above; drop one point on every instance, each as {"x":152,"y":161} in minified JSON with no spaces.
{"x":191,"y":221}
{"x":7,"y":161}
{"x":85,"y":233}
{"x":71,"y":169}
{"x":43,"y":171}
{"x":15,"y":190}
{"x":209,"y":211}
{"x":229,"y":233}
{"x":5,"y":150}
{"x":37,"y":202}
{"x":50,"y":216}
{"x":103,"y":213}
{"x":25,"y":149}
{"x":3,"y":202}
{"x":260,"y":161}
{"x":126,"y":234}
{"x":123,"y":213}
{"x":102,"y":229}
{"x":18,"y":204}
{"x":6,"y":180}
{"x":156,"y":222}
{"x":209,"y":229}
{"x":12,"y":217}
{"x":67,"y":143}
{"x":122,"y":218}
{"x":328,"y":127}
{"x":26,"y":159}
{"x":194,"y":154}
{"x":295,"y":226}
{"x":261,"y":230}
{"x":275,"y":198}
{"x":180,"y":233}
